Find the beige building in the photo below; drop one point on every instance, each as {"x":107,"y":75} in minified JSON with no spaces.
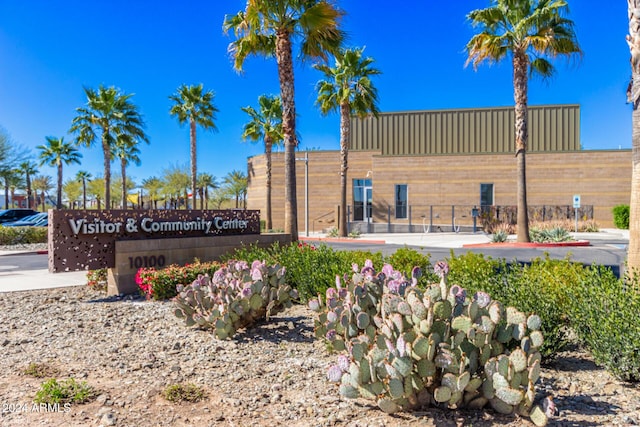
{"x":431,"y":170}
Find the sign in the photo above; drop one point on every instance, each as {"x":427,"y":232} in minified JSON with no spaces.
{"x":85,"y":239}
{"x":576,"y":201}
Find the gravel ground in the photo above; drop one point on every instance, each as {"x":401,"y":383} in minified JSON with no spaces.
{"x":273,"y":374}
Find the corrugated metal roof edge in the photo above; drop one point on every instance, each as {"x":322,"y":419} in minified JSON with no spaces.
{"x":509,"y":107}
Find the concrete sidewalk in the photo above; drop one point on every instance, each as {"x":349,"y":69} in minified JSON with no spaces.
{"x":28,"y":280}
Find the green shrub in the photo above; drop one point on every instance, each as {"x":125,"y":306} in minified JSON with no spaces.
{"x":313,"y":269}
{"x":40,"y":370}
{"x":605,"y":313}
{"x":332,"y":232}
{"x":183,"y":393}
{"x":546,"y":235}
{"x":475,"y":272}
{"x":22,"y":235}
{"x":354,"y":234}
{"x":161,"y":284}
{"x":621,"y":216}
{"x":499,"y":236}
{"x":253,"y":252}
{"x":67,"y":391}
{"x":543,"y":287}
{"x":405,"y":259}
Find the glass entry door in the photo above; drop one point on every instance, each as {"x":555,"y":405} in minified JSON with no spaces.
{"x":362,"y":199}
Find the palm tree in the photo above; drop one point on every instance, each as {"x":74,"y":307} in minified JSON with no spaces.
{"x":266,"y":125}
{"x":127,"y":151}
{"x":153,"y":185}
{"x":111,"y":113}
{"x":83,"y":177}
{"x":347,"y":89}
{"x":54,"y":153}
{"x":205,"y":182}
{"x":236,"y":184}
{"x":192,"y":104}
{"x":41,"y":185}
{"x":533,"y":32}
{"x":633,"y":96}
{"x":269,"y":28}
{"x":27,"y":169}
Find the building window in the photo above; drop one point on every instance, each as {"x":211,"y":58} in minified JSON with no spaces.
{"x":362,"y":199}
{"x":401,"y":201}
{"x":486,"y":195}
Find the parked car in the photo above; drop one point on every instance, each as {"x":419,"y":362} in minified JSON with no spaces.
{"x":29,"y":221}
{"x":11,"y":215}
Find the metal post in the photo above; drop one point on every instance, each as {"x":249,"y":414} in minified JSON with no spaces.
{"x":306,"y":193}
{"x":388,"y":218}
{"x":305,"y":159}
{"x":430,"y":217}
{"x":453,"y":218}
{"x":410,"y":227}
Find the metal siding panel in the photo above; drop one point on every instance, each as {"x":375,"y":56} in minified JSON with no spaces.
{"x":534,"y":141}
{"x":449,"y":130}
{"x":510,"y":136}
{"x":408,"y":133}
{"x":421,"y":134}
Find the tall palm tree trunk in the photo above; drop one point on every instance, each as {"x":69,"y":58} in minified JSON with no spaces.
{"x":194,"y":172}
{"x":633,"y":260}
{"x":345,"y":130}
{"x":123,"y":170}
{"x":84,"y":193}
{"x":520,"y":68}
{"x":267,"y":150}
{"x":29,"y":196}
{"x":285,"y":76}
{"x":59,"y":195}
{"x":633,"y":39}
{"x":106,"y":149}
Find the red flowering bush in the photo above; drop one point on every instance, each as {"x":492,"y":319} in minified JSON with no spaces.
{"x":304,"y":245}
{"x":161,"y":284}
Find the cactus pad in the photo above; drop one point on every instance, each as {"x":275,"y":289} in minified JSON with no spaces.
{"x":538,"y":417}
{"x":509,"y":396}
{"x":442,"y":394}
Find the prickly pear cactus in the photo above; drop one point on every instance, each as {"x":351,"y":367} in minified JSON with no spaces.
{"x":437,"y":347}
{"x":352,"y":308}
{"x":235,"y":297}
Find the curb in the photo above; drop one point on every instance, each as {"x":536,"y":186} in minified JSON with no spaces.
{"x":577,"y":243}
{"x":341,"y":240}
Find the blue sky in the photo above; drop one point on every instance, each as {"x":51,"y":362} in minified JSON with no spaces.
{"x":50,"y":50}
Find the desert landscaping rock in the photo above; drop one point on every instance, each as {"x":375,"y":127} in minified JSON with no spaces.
{"x":273,"y":374}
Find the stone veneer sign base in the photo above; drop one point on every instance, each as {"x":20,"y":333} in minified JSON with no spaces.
{"x":130,"y":255}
